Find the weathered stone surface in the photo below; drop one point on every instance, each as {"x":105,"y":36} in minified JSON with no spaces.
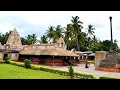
{"x":14,"y":40}
{"x":111,"y":60}
{"x":99,"y":56}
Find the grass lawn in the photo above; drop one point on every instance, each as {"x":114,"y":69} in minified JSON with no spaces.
{"x":8,"y":71}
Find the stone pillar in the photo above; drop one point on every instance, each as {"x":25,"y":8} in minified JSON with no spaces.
{"x":99,"y":56}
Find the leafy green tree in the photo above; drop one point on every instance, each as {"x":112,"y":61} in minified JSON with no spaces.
{"x":24,"y":41}
{"x":3,"y":38}
{"x":43,"y":39}
{"x":71,"y":71}
{"x":77,"y":27}
{"x":31,"y":39}
{"x":50,"y":33}
{"x":90,"y":33}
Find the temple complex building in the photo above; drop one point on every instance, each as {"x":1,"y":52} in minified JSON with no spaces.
{"x":47,"y":54}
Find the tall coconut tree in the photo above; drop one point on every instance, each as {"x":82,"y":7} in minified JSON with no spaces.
{"x":50,"y":33}
{"x":77,"y":27}
{"x":90,"y":33}
{"x":68,"y":33}
{"x":59,"y":31}
{"x":31,"y":39}
{"x":34,"y":38}
{"x":43,"y":39}
{"x":90,"y":30}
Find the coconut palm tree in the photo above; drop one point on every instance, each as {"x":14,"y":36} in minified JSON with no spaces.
{"x":34,"y":38}
{"x":90,"y":33}
{"x":77,"y":27}
{"x":68,"y":35}
{"x":90,"y":30}
{"x":50,"y":33}
{"x":58,"y":31}
{"x":31,"y":39}
{"x":43,"y":39}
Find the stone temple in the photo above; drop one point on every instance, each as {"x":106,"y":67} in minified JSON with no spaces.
{"x":47,"y":54}
{"x":14,"y":41}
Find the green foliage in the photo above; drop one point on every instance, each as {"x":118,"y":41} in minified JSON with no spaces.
{"x":7,"y":59}
{"x":71,"y":71}
{"x":17,"y":63}
{"x":94,"y":48}
{"x":1,"y":61}
{"x":3,"y":38}
{"x":84,"y":76}
{"x":83,"y":48}
{"x":29,"y":39}
{"x":43,"y":39}
{"x":105,"y":77}
{"x":27,"y":63}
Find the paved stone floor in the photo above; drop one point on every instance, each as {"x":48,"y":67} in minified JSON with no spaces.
{"x":91,"y":70}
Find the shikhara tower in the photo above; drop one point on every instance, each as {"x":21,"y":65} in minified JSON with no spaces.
{"x":14,"y":41}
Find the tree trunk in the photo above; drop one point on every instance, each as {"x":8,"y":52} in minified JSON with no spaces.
{"x":77,"y":43}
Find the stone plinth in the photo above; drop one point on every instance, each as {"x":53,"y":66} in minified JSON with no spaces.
{"x":99,"y":56}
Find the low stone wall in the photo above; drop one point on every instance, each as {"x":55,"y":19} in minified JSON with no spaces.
{"x":53,"y":61}
{"x":82,"y":61}
{"x":74,"y":61}
{"x":47,"y":60}
{"x":13,"y":56}
{"x":109,"y":69}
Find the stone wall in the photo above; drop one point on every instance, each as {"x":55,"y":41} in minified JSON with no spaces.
{"x":74,"y":61}
{"x":56,"y":61}
{"x":99,"y":55}
{"x":45,"y":61}
{"x":13,"y":56}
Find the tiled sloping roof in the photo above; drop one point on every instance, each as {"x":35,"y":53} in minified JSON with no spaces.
{"x":51,"y":44}
{"x":52,"y":52}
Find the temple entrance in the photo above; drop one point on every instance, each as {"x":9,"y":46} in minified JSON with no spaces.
{"x":66,"y":61}
{"x":5,"y":55}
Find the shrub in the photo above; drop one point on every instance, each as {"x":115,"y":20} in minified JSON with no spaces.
{"x":17,"y":63}
{"x":84,"y":76}
{"x":106,"y":77}
{"x":1,"y":61}
{"x":27,"y":63}
{"x":7,"y":59}
{"x":71,"y":71}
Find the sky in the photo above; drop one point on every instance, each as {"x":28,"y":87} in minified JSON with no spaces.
{"x":37,"y":22}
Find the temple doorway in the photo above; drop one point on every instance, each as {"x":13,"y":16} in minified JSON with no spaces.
{"x":5,"y":55}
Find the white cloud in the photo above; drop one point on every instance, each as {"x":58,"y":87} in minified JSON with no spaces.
{"x":43,"y":19}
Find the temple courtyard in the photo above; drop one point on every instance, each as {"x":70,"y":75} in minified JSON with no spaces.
{"x":91,"y":70}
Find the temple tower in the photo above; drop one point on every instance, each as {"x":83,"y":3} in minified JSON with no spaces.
{"x":14,"y":40}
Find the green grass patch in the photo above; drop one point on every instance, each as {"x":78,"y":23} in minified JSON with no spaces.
{"x":8,"y":71}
